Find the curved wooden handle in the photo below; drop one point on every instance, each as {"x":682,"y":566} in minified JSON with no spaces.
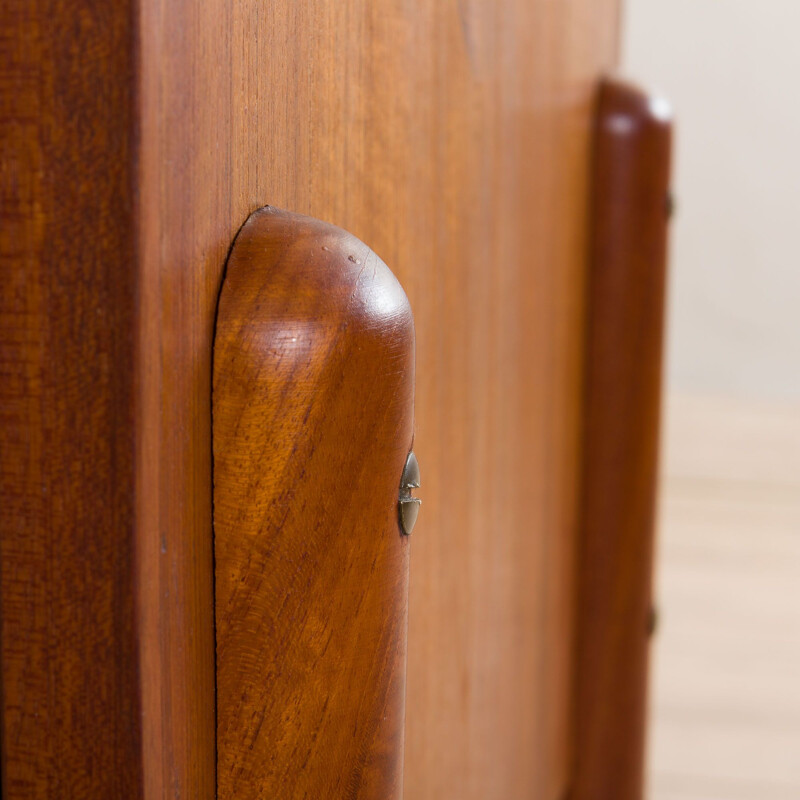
{"x":623,"y":387}
{"x":312,"y":424}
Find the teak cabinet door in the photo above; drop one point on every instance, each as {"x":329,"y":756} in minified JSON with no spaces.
{"x":452,"y":137}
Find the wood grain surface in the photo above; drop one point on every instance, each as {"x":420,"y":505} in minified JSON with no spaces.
{"x":71,"y":718}
{"x":454,"y":138}
{"x":312,"y":423}
{"x":623,"y":397}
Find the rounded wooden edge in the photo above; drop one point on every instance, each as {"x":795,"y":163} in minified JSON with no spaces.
{"x":625,"y":308}
{"x":293,"y":280}
{"x":623,"y":108}
{"x":329,"y":259}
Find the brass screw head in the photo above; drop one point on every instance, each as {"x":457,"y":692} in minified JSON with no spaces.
{"x":408,"y":506}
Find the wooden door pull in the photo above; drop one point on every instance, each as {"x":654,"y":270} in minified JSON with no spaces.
{"x":313,"y":385}
{"x":630,"y":212}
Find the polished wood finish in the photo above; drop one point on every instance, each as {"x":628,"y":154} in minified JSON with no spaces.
{"x":454,"y":138}
{"x":630,"y":208}
{"x":312,"y":423}
{"x":71,"y":717}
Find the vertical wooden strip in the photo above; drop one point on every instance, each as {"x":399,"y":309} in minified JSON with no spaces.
{"x":312,"y":424}
{"x":185,"y":229}
{"x":623,"y":384}
{"x":71,"y":713}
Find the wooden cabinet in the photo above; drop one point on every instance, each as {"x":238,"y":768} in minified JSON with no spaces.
{"x":455,"y":140}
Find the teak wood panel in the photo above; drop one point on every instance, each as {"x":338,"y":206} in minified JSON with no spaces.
{"x":454,"y":138}
{"x":630,"y":208}
{"x":71,"y":711}
{"x":312,"y":424}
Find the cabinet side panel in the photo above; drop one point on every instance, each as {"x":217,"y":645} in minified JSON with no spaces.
{"x":454,"y":138}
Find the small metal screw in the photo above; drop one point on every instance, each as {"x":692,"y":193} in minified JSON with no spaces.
{"x":652,"y":621}
{"x":669,"y":205}
{"x":408,"y":506}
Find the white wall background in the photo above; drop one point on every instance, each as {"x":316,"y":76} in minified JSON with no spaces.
{"x":732,"y":71}
{"x":725,"y":701}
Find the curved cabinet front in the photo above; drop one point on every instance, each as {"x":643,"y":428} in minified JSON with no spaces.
{"x":312,"y":425}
